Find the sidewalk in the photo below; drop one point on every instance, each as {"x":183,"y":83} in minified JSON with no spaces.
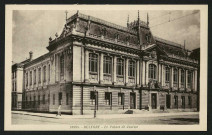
{"x":104,"y":116}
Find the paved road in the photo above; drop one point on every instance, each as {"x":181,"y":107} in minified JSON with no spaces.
{"x":176,"y":120}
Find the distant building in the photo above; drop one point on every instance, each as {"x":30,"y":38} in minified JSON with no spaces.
{"x":17,"y":83}
{"x":122,"y":67}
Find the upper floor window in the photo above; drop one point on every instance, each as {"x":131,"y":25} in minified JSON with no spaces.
{"x":44,"y":74}
{"x":26,"y":79}
{"x":120,"y":66}
{"x":131,"y":69}
{"x":182,"y":77}
{"x":35,"y":76}
{"x":30,"y":77}
{"x":93,"y":62}
{"x":49,"y":72}
{"x":107,"y":65}
{"x":167,"y":74}
{"x":152,"y":71}
{"x":39,"y":75}
{"x":175,"y":76}
{"x":62,"y":65}
{"x":189,"y":79}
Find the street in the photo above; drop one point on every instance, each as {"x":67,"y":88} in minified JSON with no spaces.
{"x":166,"y":120}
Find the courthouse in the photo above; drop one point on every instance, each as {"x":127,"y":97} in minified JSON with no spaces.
{"x":117,"y":68}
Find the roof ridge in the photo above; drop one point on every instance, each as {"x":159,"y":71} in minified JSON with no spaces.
{"x":98,"y":20}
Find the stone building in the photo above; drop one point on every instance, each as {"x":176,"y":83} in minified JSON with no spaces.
{"x":118,"y":68}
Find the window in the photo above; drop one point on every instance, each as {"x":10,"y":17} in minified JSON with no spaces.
{"x":49,"y":73}
{"x":93,"y":61}
{"x":38,"y":99}
{"x":14,"y":86}
{"x":26,"y":79}
{"x":175,"y":76}
{"x":182,"y":77}
{"x":131,"y":68}
{"x":44,"y":74}
{"x":39,"y":75}
{"x":60,"y":98}
{"x":34,"y":100}
{"x":30,"y":77}
{"x":120,"y":98}
{"x":35,"y":76}
{"x":43,"y":99}
{"x":108,"y":98}
{"x":120,"y":67}
{"x":176,"y":100}
{"x":48,"y":98}
{"x":152,"y":71}
{"x":107,"y":65}
{"x":189,"y":100}
{"x":62,"y":66}
{"x":93,"y":96}
{"x":189,"y":79}
{"x":67,"y":98}
{"x":167,"y":74}
{"x":53,"y":99}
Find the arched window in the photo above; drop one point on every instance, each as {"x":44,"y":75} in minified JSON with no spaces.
{"x":167,"y":74}
{"x":61,"y":66}
{"x":152,"y":71}
{"x":182,"y":77}
{"x":175,"y":76}
{"x":44,"y":74}
{"x":120,"y":66}
{"x":93,"y":61}
{"x":189,"y":79}
{"x":107,"y":65}
{"x":131,"y":68}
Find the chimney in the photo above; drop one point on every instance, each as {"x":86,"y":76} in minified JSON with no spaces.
{"x":30,"y":55}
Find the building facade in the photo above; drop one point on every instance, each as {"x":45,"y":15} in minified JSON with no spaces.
{"x":117,"y":68}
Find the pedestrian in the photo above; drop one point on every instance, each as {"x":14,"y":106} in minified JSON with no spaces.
{"x":59,"y":110}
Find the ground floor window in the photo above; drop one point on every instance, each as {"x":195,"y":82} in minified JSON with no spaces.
{"x":189,"y":100}
{"x":120,"y":98}
{"x":38,"y":99}
{"x":67,"y":98}
{"x":43,"y":99}
{"x":176,"y":101}
{"x":108,"y":98}
{"x":60,"y":98}
{"x":53,"y":99}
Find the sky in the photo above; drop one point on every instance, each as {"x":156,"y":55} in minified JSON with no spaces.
{"x":32,"y":28}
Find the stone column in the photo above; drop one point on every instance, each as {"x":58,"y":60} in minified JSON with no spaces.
{"x":143,"y":72}
{"x":126,"y":70}
{"x":101,"y":67}
{"x":137,"y":73}
{"x":86,"y":66}
{"x":195,"y":81}
{"x":114,"y":69}
{"x":147,"y":72}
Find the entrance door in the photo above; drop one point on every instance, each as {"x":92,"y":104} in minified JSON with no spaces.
{"x":168,"y":99}
{"x":183,"y":101}
{"x":132,"y":100}
{"x":154,"y":101}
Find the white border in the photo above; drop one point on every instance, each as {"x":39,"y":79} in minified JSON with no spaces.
{"x":203,"y":77}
